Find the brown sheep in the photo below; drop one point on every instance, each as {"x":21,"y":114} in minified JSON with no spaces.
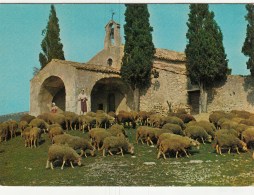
{"x":4,"y":131}
{"x":57,"y":130}
{"x":26,"y":136}
{"x":119,"y":142}
{"x":40,"y":124}
{"x":71,"y":119}
{"x":248,"y":137}
{"x":27,"y":118}
{"x":13,"y":126}
{"x":124,"y":117}
{"x":34,"y":136}
{"x":22,"y":125}
{"x":228,"y":141}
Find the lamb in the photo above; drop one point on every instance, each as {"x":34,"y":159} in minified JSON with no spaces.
{"x":176,"y":144}
{"x":248,"y":136}
{"x":119,"y":142}
{"x":22,"y":125}
{"x":40,"y":124}
{"x":197,"y":132}
{"x":229,"y":141}
{"x":63,"y":153}
{"x":75,"y":142}
{"x":34,"y":136}
{"x":56,"y":130}
{"x":70,"y":119}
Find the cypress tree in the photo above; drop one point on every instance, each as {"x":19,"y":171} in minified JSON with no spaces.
{"x":248,"y":46}
{"x":51,"y":45}
{"x":138,"y":51}
{"x":205,"y":54}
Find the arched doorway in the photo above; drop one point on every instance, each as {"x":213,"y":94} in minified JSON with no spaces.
{"x":111,"y":94}
{"x":52,"y":90}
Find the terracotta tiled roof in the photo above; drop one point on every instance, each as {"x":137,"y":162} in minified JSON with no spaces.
{"x":90,"y":67}
{"x":169,"y":55}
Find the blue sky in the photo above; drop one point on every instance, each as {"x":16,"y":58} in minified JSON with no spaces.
{"x":82,"y":34}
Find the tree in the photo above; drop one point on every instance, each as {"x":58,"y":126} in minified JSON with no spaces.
{"x":205,"y":55}
{"x":138,"y":51}
{"x":51,"y":46}
{"x":248,"y":46}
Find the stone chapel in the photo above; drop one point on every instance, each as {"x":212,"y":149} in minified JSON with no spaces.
{"x":61,"y":82}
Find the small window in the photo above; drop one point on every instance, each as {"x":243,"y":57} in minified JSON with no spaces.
{"x":110,"y":62}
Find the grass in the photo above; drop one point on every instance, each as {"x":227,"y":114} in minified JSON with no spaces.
{"x":20,"y":166}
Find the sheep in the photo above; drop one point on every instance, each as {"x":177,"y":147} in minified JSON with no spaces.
{"x":155,"y":120}
{"x":229,"y":125}
{"x":175,"y":128}
{"x":26,"y":136}
{"x":22,"y":125}
{"x":93,"y":131}
{"x":27,"y":118}
{"x":126,"y":117}
{"x":13,"y":126}
{"x":247,"y":122}
{"x":248,"y":136}
{"x":116,"y":129}
{"x":63,"y":153}
{"x":56,"y":130}
{"x":119,"y":142}
{"x":208,"y":127}
{"x":70,"y":119}
{"x":241,"y":113}
{"x":4,"y":131}
{"x":228,"y":141}
{"x":86,"y":121}
{"x":34,"y":136}
{"x":215,"y":116}
{"x":143,"y":118}
{"x":40,"y":124}
{"x":173,"y":120}
{"x":165,"y":136}
{"x":57,"y":118}
{"x":176,"y":144}
{"x":75,"y":142}
{"x":226,"y":131}
{"x":46,"y":117}
{"x":240,"y":128}
{"x":186,"y":118}
{"x":197,"y":132}
{"x":142,"y":134}
{"x":98,"y":135}
{"x":103,"y":119}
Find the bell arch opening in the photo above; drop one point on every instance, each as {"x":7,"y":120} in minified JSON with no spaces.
{"x":111,"y":94}
{"x":52,"y":90}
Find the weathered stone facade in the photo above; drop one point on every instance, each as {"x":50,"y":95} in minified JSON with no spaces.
{"x":61,"y":81}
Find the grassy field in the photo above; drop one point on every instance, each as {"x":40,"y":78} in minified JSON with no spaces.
{"x":20,"y":166}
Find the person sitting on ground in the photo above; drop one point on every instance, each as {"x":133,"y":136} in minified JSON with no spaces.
{"x":53,"y":107}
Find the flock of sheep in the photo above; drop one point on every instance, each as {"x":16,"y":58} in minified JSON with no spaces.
{"x":174,"y":134}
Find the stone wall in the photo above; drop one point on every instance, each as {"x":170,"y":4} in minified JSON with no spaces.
{"x":236,"y":94}
{"x":171,"y":86}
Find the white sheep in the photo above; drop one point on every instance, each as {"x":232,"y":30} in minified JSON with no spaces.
{"x":63,"y":153}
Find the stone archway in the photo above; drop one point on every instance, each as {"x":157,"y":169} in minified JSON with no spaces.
{"x":111,"y":94}
{"x":52,"y":90}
